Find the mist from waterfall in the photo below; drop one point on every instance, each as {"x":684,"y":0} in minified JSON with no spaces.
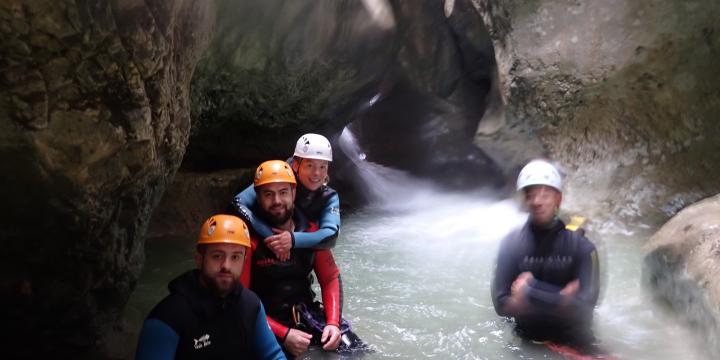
{"x":383,"y":185}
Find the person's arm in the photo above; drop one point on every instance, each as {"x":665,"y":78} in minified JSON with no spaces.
{"x":266,"y":346}
{"x":280,"y":330}
{"x":506,"y":271}
{"x":581,"y":303}
{"x":586,"y":272}
{"x":544,"y":293}
{"x":158,"y":341}
{"x":326,"y":236}
{"x":589,"y":277}
{"x":242,"y":205}
{"x":328,"y":276}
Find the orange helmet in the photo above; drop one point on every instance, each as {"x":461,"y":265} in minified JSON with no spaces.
{"x":224,"y":229}
{"x":274,"y":171}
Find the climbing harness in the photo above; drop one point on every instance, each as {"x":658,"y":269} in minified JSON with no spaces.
{"x":304,"y":319}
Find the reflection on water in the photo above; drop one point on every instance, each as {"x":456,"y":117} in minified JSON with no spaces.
{"x":417,"y":280}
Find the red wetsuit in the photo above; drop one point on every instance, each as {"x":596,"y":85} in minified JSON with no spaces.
{"x":280,"y":285}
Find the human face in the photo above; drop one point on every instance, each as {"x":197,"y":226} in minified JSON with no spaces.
{"x":543,"y":203}
{"x":221,"y":266}
{"x":276,"y":200}
{"x":312,"y":172}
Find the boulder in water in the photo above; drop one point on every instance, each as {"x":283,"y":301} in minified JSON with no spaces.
{"x":682,"y":267}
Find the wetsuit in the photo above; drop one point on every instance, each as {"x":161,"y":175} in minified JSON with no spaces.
{"x":281,"y":285}
{"x":321,"y":205}
{"x":555,"y":256}
{"x":194,"y":323}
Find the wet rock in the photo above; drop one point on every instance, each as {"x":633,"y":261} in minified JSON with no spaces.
{"x":289,"y":68}
{"x":424,"y":123}
{"x":623,"y":93}
{"x":94,"y":121}
{"x":193,"y":197}
{"x":415,"y":132}
{"x":682,"y":265}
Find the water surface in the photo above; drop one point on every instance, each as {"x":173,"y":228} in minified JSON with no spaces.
{"x":417,"y":273}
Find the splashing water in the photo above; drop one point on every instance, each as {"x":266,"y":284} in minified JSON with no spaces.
{"x":417,"y":285}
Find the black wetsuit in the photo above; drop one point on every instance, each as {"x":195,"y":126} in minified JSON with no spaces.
{"x":280,"y":285}
{"x":283,"y":284}
{"x":555,"y":256}
{"x":194,"y":323}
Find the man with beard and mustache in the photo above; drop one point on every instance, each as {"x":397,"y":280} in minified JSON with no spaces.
{"x":547,"y":272}
{"x":313,"y":196}
{"x":284,"y":285}
{"x":208,"y":314}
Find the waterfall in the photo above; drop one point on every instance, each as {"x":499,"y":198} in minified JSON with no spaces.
{"x":385,"y":186}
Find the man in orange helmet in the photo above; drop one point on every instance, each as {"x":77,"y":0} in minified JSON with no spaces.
{"x":208,"y":314}
{"x":283,"y":284}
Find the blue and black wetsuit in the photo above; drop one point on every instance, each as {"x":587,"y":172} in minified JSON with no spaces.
{"x":555,"y":256}
{"x":193,"y":323}
{"x":321,"y":206}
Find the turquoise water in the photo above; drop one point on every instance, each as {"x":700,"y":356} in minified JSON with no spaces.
{"x":417,"y":277}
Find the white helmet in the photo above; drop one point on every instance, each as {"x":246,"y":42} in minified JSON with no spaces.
{"x":313,"y":146}
{"x":539,"y":172}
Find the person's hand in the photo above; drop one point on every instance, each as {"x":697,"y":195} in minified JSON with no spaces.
{"x":280,"y":243}
{"x":330,"y":337}
{"x":571,"y":288}
{"x":518,"y":286}
{"x":297,"y":342}
{"x":515,"y":305}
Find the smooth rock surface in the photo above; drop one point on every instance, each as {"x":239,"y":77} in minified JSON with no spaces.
{"x":682,"y":267}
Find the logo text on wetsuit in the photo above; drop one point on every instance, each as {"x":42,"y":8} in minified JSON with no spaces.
{"x":203,"y":341}
{"x":552,"y":262}
{"x":270,"y":262}
{"x":266,"y":262}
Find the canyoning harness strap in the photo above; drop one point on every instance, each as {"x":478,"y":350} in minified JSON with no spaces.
{"x":307,"y":320}
{"x":304,"y":319}
{"x":575,"y":224}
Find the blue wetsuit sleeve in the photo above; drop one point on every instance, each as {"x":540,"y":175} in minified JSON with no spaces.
{"x":242,"y":205}
{"x":589,"y":276}
{"x":326,"y":236}
{"x":545,"y":293}
{"x":158,"y":341}
{"x":544,"y":286}
{"x":506,"y":272}
{"x":266,"y":345}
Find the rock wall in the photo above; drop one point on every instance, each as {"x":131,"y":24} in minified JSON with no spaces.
{"x":94,"y":121}
{"x":623,"y":93}
{"x":412,"y":76}
{"x":682,"y":267}
{"x":95,"y":115}
{"x":279,"y":69}
{"x":192,"y":198}
{"x":425,"y":122}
